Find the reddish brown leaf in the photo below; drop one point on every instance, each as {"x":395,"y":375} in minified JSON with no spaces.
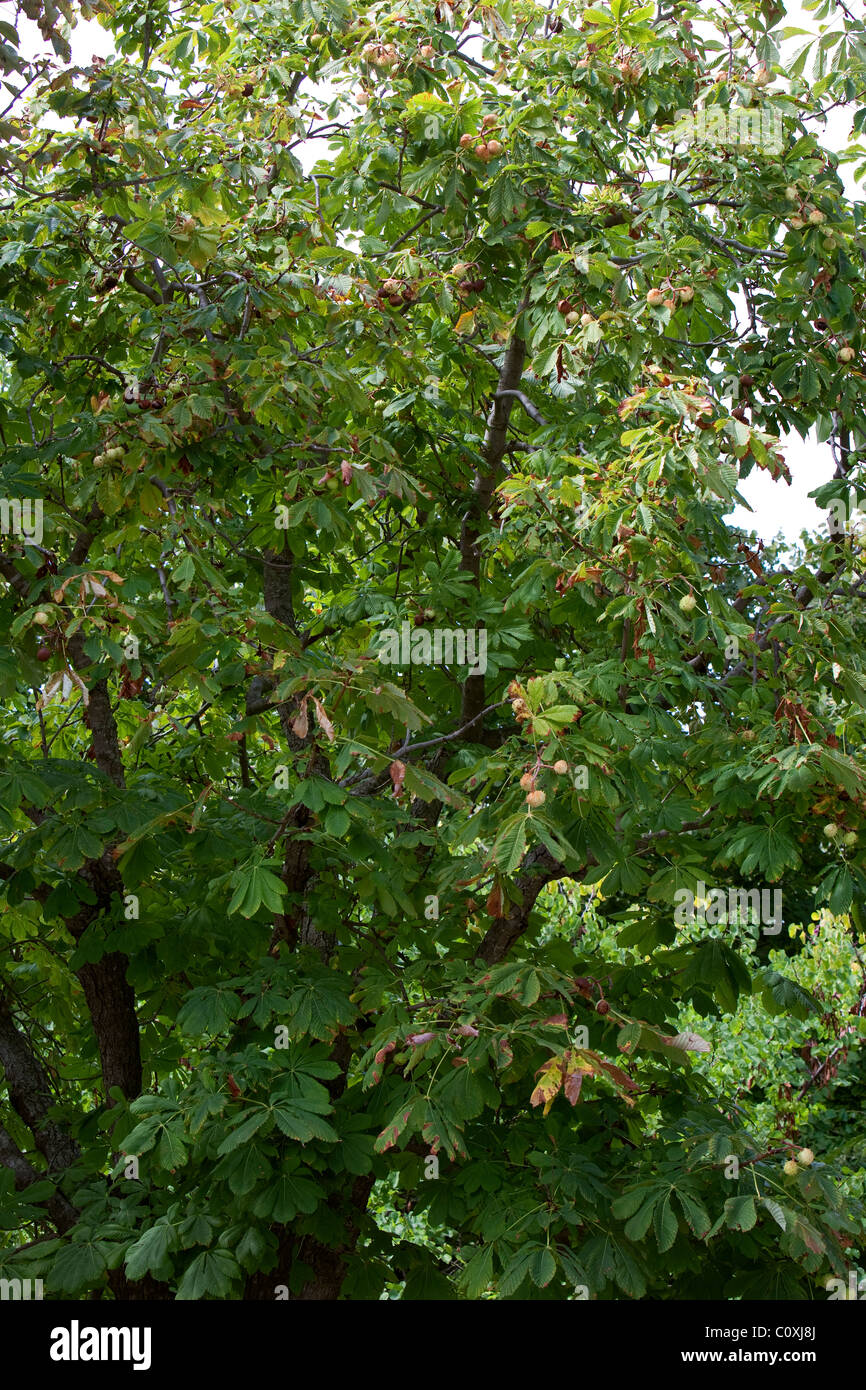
{"x":619,"y":1076}
{"x":495,"y":904}
{"x":573,"y":1083}
{"x":398,"y":774}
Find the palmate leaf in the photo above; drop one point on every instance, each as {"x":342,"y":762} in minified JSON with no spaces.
{"x":397,"y":1124}
{"x":319,"y":1006}
{"x":720,"y":971}
{"x":665,"y":1224}
{"x":765,"y":848}
{"x":253,"y":1249}
{"x":650,"y":1206}
{"x":696,"y":1215}
{"x":640,"y":1223}
{"x":510,"y":844}
{"x":567,"y":1071}
{"x":244,"y":1131}
{"x":535,"y":1262}
{"x":298,"y":1120}
{"x":477,"y":1274}
{"x":283,"y":1199}
{"x":421,"y":783}
{"x":740,"y":1213}
{"x":608,"y":1261}
{"x":77,"y":1266}
{"x":150,"y":1253}
{"x":210,"y":1275}
{"x":779,"y":994}
{"x":837,"y":888}
{"x":442,"y":1130}
{"x":630,"y":1202}
{"x":255,"y":887}
{"x":208,"y":1010}
{"x":426,"y":1283}
{"x":244,"y":1169}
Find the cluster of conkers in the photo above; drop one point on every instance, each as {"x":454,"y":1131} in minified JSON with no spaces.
{"x":657,"y":297}
{"x":811,"y":217}
{"x":397,"y":292}
{"x":805,"y":1158}
{"x":522,"y":712}
{"x":110,"y":455}
{"x":42,"y":619}
{"x":381,"y":55}
{"x":484,"y":149}
{"x":835,"y":832}
{"x":571,"y":315}
{"x":534,"y":795}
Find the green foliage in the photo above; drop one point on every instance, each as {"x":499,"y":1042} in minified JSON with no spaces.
{"x":380,"y":669}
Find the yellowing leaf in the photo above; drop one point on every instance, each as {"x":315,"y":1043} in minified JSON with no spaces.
{"x":466,"y":322}
{"x":548,"y":1086}
{"x":149,"y":499}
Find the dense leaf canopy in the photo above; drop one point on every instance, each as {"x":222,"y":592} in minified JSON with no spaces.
{"x":375,"y":385}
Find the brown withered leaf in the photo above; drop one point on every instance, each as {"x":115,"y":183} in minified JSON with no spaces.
{"x":573,"y":1083}
{"x":300,"y":724}
{"x":398,"y":775}
{"x":495,"y":902}
{"x":324,"y":722}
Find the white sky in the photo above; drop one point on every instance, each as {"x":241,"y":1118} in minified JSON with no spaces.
{"x":776,"y":508}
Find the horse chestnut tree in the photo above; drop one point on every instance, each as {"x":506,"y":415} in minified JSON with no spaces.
{"x":278,"y":908}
